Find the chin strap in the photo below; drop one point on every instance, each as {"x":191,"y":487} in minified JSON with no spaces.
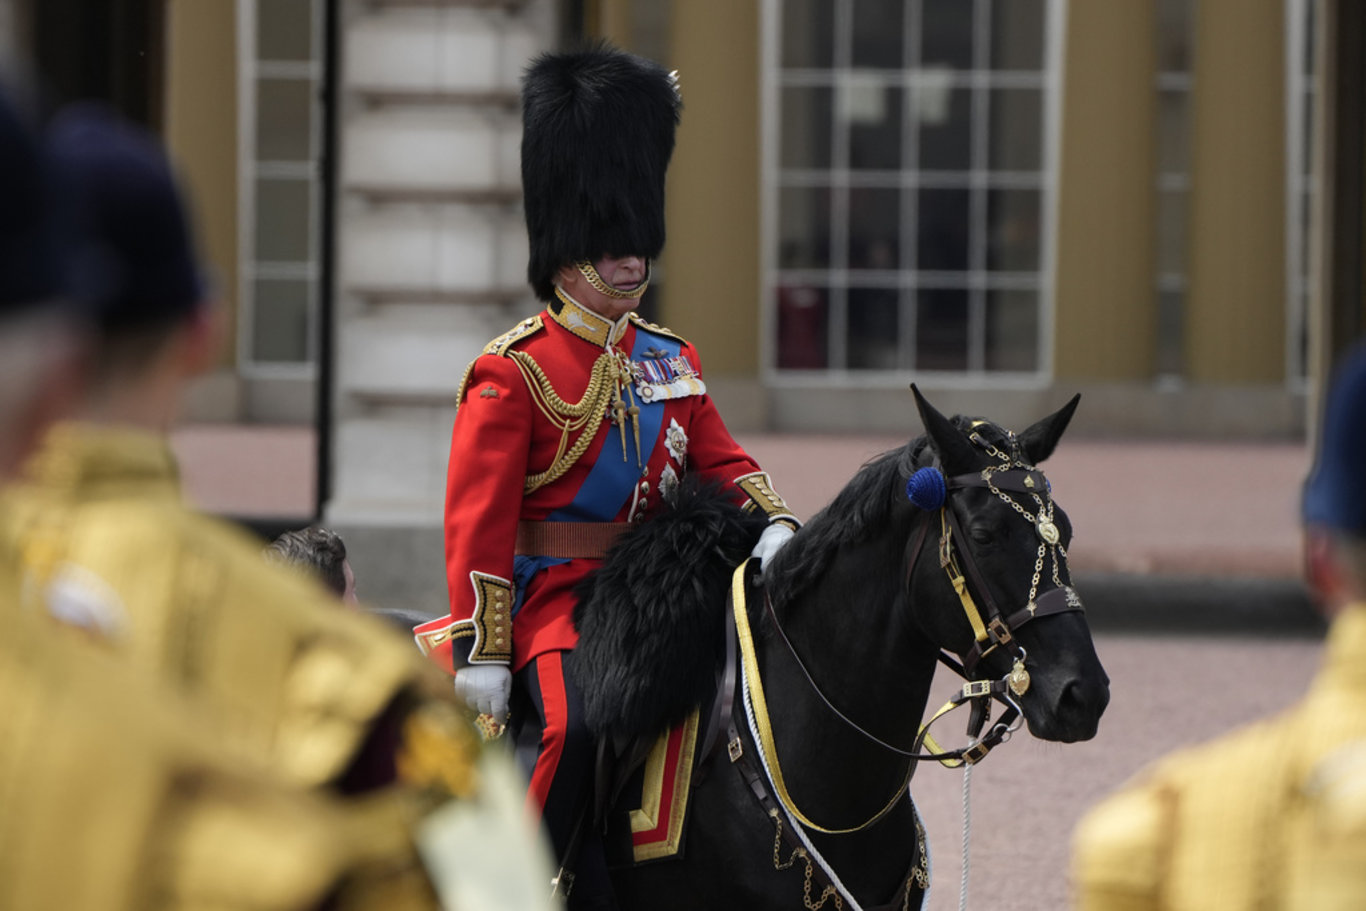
{"x":590,"y":274}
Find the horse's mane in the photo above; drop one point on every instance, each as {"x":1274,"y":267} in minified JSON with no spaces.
{"x":860,"y":510}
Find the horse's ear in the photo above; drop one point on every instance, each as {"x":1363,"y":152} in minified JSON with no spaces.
{"x":956,"y":453}
{"x":1040,"y":439}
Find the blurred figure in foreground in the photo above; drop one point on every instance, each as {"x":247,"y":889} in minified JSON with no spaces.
{"x":1274,"y":815}
{"x":319,"y":551}
{"x":112,"y":795}
{"x":109,"y":554}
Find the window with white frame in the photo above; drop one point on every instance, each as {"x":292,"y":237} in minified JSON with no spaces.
{"x":1176,"y":66}
{"x":908,"y":182}
{"x":280,"y":121}
{"x":1175,"y":35}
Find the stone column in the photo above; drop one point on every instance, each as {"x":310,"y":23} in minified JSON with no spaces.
{"x":431,"y":264}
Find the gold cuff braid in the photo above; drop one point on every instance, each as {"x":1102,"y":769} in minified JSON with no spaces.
{"x":759,"y":489}
{"x":492,"y":618}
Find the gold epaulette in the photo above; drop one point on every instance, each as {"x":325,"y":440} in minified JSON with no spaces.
{"x":499,"y":348}
{"x":643,"y":323}
{"x":527,"y":327}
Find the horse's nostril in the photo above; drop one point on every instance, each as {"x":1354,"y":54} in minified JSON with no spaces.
{"x":1086,"y":697}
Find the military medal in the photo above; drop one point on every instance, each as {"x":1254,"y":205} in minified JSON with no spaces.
{"x":1048,"y":531}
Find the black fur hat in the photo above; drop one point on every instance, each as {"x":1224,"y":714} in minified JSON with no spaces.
{"x":597,"y":133}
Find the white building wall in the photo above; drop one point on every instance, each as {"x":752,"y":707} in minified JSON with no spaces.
{"x":432,"y":247}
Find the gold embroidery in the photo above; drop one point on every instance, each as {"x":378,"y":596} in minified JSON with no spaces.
{"x":492,"y":618}
{"x":587,"y":325}
{"x":438,"y":752}
{"x":499,"y":347}
{"x":760,"y":491}
{"x":643,"y":323}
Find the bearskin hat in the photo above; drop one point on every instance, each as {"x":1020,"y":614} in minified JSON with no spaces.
{"x":597,"y":133}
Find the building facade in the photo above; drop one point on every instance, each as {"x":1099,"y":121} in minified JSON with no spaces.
{"x":1004,"y":201}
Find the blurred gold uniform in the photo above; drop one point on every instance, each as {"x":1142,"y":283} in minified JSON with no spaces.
{"x":285,"y":675}
{"x":112,"y":798}
{"x":1271,"y":816}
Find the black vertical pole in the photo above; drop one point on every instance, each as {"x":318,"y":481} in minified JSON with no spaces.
{"x":327,"y":254}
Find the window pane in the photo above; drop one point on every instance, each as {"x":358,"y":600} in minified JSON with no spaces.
{"x":947,"y":29}
{"x":872,"y":329}
{"x":284,"y":208}
{"x":1016,"y":135}
{"x":1170,"y":338}
{"x":1017,"y":35}
{"x":284,"y":29}
{"x":807,"y":122}
{"x":284,"y":111}
{"x":941,"y":329}
{"x":1171,"y":233}
{"x":1012,"y":330}
{"x":878,"y":30}
{"x":808,"y":33}
{"x":1175,"y":22}
{"x":945,"y":118}
{"x":874,"y":113}
{"x":942,"y":238}
{"x":280,"y":320}
{"x":1173,"y":132}
{"x":875,"y":228}
{"x":804,"y":228}
{"x":802,"y":315}
{"x":1013,"y":230}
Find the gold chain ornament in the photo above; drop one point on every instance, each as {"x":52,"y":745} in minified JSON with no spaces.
{"x":590,"y":274}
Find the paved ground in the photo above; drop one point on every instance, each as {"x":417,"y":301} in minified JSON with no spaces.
{"x":1027,"y":796}
{"x":1150,"y":508}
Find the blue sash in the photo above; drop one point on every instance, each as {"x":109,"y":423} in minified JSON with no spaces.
{"x":612,"y":481}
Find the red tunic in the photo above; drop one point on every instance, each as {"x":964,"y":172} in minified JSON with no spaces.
{"x":521,"y":450}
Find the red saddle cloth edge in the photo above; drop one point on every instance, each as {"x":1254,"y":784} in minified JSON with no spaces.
{"x":657,"y":823}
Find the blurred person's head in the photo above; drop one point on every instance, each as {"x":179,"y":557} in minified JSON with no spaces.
{"x":1334,"y":504}
{"x":40,"y":333}
{"x":320,"y":552}
{"x":134,"y":266}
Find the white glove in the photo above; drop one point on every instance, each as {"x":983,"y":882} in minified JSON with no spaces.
{"x":770,"y":542}
{"x":485,"y":688}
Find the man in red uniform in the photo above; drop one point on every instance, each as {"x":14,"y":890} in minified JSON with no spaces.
{"x":575,"y":423}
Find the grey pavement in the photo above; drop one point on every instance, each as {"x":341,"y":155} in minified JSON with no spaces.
{"x":1197,"y":536}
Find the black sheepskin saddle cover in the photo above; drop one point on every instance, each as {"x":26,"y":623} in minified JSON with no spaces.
{"x":650,"y":620}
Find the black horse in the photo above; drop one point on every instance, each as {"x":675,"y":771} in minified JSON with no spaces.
{"x":847,"y":627}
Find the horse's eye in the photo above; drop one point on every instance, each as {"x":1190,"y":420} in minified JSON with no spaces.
{"x":982,"y":536}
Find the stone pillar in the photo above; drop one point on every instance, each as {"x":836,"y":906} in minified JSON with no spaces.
{"x":432,"y":259}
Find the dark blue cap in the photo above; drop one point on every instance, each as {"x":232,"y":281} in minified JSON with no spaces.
{"x":30,"y":246}
{"x":134,"y":264}
{"x":1335,"y":494}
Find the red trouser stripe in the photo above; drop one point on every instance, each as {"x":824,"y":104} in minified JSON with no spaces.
{"x":550,"y":674}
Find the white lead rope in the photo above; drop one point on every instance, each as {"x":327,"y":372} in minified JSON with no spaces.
{"x":967,"y":835}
